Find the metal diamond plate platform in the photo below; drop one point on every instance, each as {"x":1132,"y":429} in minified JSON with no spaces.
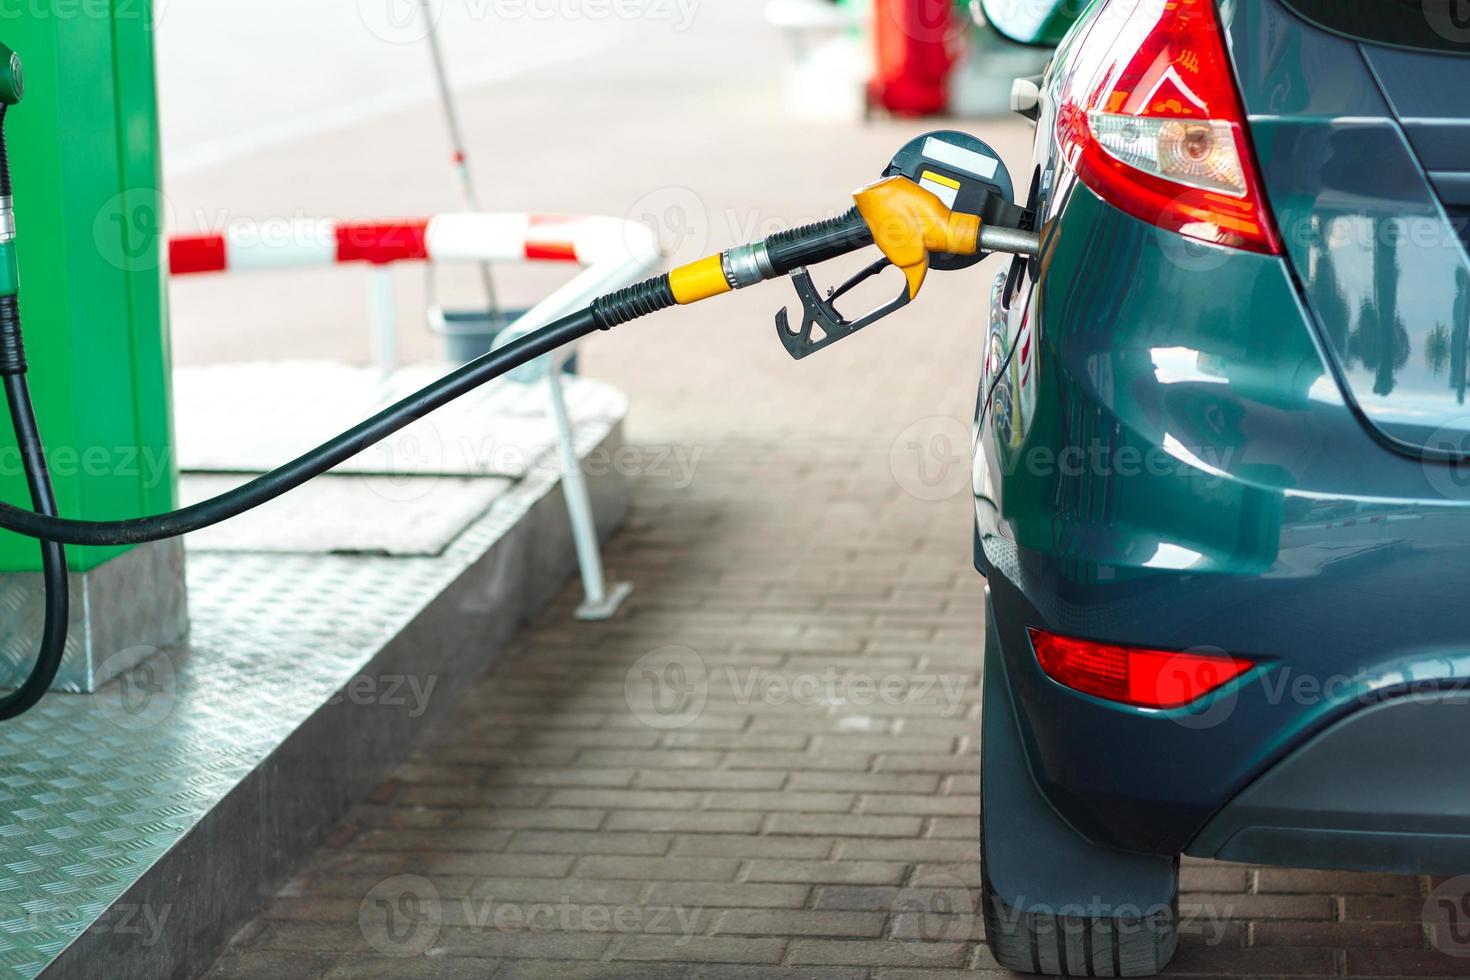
{"x":97,"y":790}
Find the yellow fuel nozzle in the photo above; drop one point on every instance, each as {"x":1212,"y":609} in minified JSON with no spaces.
{"x":908,"y":222}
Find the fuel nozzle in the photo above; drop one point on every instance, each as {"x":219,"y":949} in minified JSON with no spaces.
{"x":944,"y":202}
{"x":12,"y":88}
{"x":12,"y":351}
{"x":12,"y":81}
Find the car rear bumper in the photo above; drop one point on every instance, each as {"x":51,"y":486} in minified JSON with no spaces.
{"x":1359,"y":769}
{"x":1385,"y":789}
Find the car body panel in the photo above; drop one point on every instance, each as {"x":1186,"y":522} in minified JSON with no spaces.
{"x":1165,"y":458}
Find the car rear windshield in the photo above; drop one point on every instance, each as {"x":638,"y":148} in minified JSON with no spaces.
{"x":1431,"y":25}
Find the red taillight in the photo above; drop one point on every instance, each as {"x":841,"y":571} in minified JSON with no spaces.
{"x":1145,"y":678}
{"x":1152,"y":122}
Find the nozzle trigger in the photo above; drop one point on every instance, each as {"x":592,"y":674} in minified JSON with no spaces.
{"x":821,"y":324}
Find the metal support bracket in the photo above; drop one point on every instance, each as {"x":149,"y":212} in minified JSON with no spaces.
{"x":602,"y":601}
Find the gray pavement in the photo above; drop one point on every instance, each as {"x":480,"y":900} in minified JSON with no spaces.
{"x":800,"y":542}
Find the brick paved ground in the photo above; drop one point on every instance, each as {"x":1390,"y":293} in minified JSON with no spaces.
{"x":818,"y":812}
{"x":815,"y":816}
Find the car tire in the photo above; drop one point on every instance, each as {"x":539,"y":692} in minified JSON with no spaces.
{"x":1062,"y":945}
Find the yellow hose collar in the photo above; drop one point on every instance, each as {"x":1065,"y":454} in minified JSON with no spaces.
{"x":698,"y":280}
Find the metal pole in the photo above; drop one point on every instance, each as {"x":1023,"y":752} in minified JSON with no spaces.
{"x":456,"y":137}
{"x":598,"y":602}
{"x":383,"y":308}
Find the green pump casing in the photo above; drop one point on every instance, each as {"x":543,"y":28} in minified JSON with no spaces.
{"x":84,"y":153}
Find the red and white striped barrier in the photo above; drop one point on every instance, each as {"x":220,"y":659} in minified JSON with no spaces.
{"x":588,"y":241}
{"x":613,"y":252}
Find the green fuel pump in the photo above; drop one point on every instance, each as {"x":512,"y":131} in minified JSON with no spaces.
{"x":944,"y":202}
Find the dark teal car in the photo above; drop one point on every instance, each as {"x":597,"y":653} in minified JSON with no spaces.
{"x":1222,"y":464}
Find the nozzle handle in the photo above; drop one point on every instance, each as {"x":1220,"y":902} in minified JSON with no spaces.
{"x":815,"y":243}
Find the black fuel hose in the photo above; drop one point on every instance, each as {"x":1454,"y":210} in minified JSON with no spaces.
{"x":809,"y":244}
{"x":53,"y":555}
{"x":789,"y":249}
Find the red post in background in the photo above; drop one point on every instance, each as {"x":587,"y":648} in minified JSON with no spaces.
{"x":915,"y":44}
